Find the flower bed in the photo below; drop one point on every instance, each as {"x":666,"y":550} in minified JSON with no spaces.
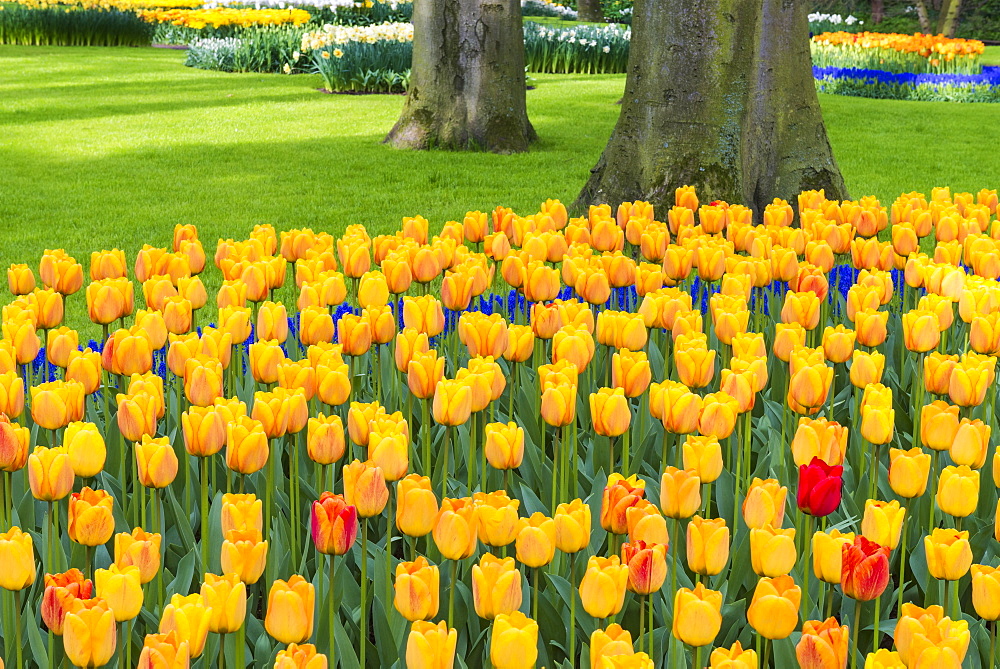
{"x":723,"y":429}
{"x":890,"y":52}
{"x":581,"y":49}
{"x":984,"y":87}
{"x":372,"y":59}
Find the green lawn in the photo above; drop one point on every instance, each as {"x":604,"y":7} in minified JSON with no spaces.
{"x":992,"y":55}
{"x":112,"y":147}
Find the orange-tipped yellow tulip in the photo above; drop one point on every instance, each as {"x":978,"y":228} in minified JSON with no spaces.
{"x":226,"y":597}
{"x":496,"y":586}
{"x":610,"y":412}
{"x":764,"y":503}
{"x":572,"y":526}
{"x":14,"y":441}
{"x":958,"y":491}
{"x":707,"y":545}
{"x":949,"y":554}
{"x":244,"y":554}
{"x":417,"y":589}
{"x":89,"y":636}
{"x":602,"y":589}
{"x":90,"y":517}
{"x":514,"y":641}
{"x":121,"y":587}
{"x":139,"y":549}
{"x":156,"y":461}
{"x":431,"y":646}
{"x":774,"y":610}
{"x":734,"y":657}
{"x":417,"y":507}
{"x":18,"y":558}
{"x":823,"y":644}
{"x":620,"y":494}
{"x":703,"y":455}
{"x":189,"y":617}
{"x":456,"y":529}
{"x":697,"y":615}
{"x":772,"y":551}
{"x":365,"y":488}
{"x":50,"y":474}
{"x":290,"y":610}
{"x":246,"y":445}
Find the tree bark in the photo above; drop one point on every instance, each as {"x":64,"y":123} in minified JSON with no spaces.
{"x":467,"y":85}
{"x":878,"y":11}
{"x":589,"y":10}
{"x":720,"y":96}
{"x":948,"y":19}
{"x":925,"y":22}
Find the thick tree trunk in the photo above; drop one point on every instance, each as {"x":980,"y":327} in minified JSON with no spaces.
{"x":589,"y":10}
{"x":925,"y":22}
{"x":878,"y":11}
{"x":948,"y":20}
{"x":467,"y":86}
{"x":720,"y":96}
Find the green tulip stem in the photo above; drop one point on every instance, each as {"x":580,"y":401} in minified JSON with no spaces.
{"x":854,"y":634}
{"x":364,"y":590}
{"x":17,"y":622}
{"x":241,"y":643}
{"x":50,"y":544}
{"x":88,"y":553}
{"x":555,"y":470}
{"x":451,"y":594}
{"x":222,"y":650}
{"x":876,"y":634}
{"x":652,"y":625}
{"x":697,"y":658}
{"x":295,"y":447}
{"x":389,"y":521}
{"x":445,"y":461}
{"x":425,"y":428}
{"x":332,"y":605}
{"x":513,"y":389}
{"x":534,"y":593}
{"x":642,"y":620}
{"x":807,"y":564}
{"x":269,"y":496}
{"x":873,"y":474}
{"x":933,"y":487}
{"x":473,"y":441}
{"x":204,"y":515}
{"x":572,"y":610}
{"x":993,"y":643}
{"x":902,"y":554}
{"x":625,"y":449}
{"x":956,"y":609}
{"x":127,"y":641}
{"x":573,"y":460}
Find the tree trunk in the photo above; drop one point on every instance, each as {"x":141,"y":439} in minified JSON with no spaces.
{"x":925,"y":22}
{"x":948,"y":19}
{"x":878,"y":11}
{"x":720,"y":96}
{"x":467,"y":84}
{"x":589,"y":10}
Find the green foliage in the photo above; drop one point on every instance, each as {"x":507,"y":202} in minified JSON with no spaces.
{"x":868,"y":88}
{"x":266,"y":49}
{"x":358,"y":67}
{"x":59,"y":25}
{"x":582,"y":49}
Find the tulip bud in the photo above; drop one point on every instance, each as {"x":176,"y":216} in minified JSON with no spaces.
{"x":456,"y":531}
{"x":430,"y":646}
{"x":416,"y":506}
{"x":764,"y":503}
{"x":50,"y":474}
{"x":864,"y":569}
{"x":496,"y":518}
{"x":60,"y":591}
{"x":226,"y":597}
{"x":334,"y":524}
{"x":139,"y":549}
{"x":774,"y":609}
{"x":121,"y":587}
{"x":949,"y":554}
{"x":908,"y":471}
{"x":241,"y":512}
{"x":958,"y":491}
{"x":496,"y":586}
{"x":90,"y":517}
{"x":827,"y":551}
{"x":365,"y":488}
{"x":300,"y":656}
{"x":156,"y":461}
{"x":883,"y":522}
{"x":602,"y":589}
{"x":823,"y":644}
{"x":18,"y":558}
{"x":697,"y":615}
{"x":244,"y":554}
{"x":772,"y":551}
{"x":89,"y":633}
{"x":246,"y":445}
{"x":620,"y":494}
{"x":572,"y":526}
{"x":290,"y":610}
{"x":647,"y":566}
{"x":986,"y":591}
{"x":418,"y":589}
{"x":680,"y":492}
{"x":189,"y":617}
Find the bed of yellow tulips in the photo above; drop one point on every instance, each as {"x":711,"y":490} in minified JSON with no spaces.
{"x":727,"y":438}
{"x":892,"y":52}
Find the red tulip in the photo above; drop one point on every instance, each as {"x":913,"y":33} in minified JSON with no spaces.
{"x":864,"y":569}
{"x":334,"y":524}
{"x":820,"y":487}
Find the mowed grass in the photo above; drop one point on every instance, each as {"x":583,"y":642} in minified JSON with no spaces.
{"x":103,"y":147}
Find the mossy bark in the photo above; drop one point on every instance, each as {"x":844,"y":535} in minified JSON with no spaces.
{"x":467,"y":87}
{"x":589,"y":10}
{"x":719,"y":95}
{"x":948,"y":20}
